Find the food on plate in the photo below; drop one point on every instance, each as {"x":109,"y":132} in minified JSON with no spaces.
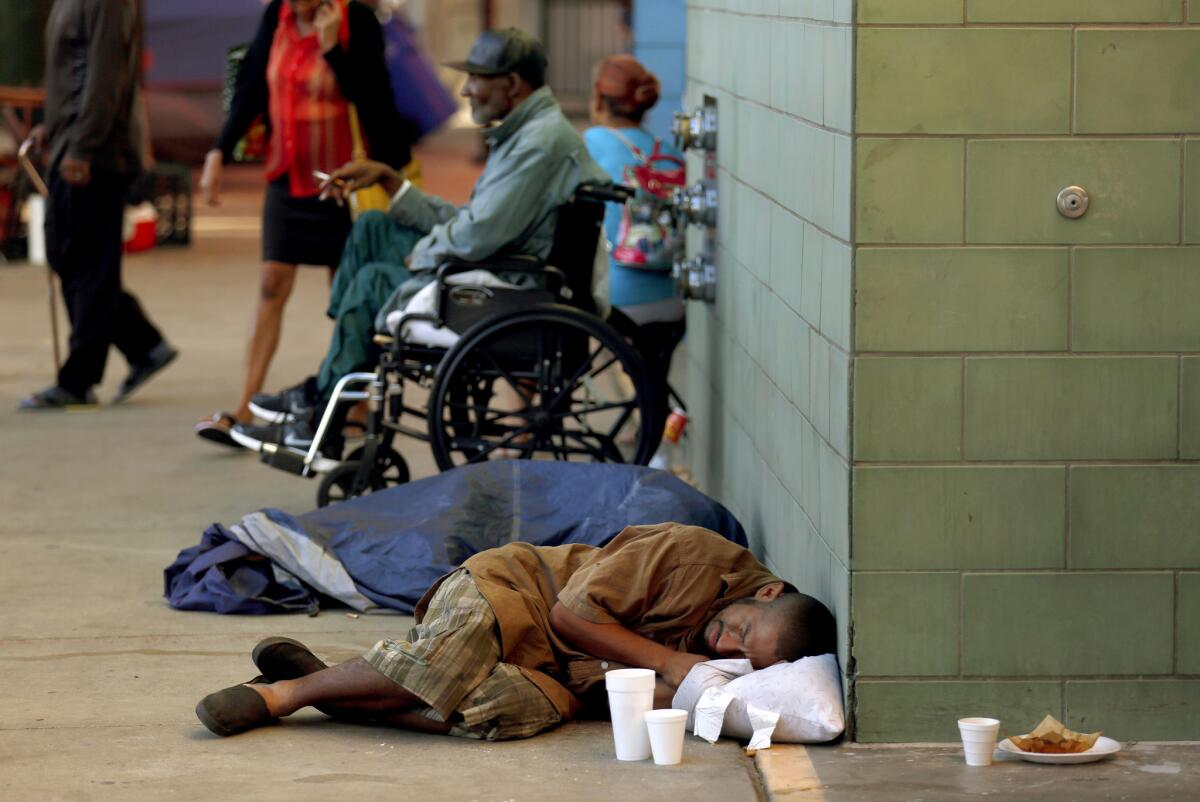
{"x":1052,"y":738}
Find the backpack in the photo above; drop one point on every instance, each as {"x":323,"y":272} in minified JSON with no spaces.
{"x":647,"y":237}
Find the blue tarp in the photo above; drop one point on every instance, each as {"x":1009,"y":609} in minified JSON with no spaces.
{"x":385,"y":549}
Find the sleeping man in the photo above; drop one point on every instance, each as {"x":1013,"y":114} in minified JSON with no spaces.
{"x":517,"y":639}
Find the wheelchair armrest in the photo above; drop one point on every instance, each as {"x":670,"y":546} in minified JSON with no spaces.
{"x":518,"y":264}
{"x":614,"y":193}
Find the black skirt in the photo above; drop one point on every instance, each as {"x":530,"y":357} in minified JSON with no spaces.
{"x":302,"y":231}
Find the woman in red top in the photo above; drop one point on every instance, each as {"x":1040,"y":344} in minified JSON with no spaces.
{"x":309,"y":61}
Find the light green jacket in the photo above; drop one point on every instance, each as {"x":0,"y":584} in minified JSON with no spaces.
{"x":535,"y":162}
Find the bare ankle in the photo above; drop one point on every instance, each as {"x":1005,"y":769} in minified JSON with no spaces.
{"x":275,"y":697}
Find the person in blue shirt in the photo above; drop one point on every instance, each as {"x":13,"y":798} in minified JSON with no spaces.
{"x":622,"y":92}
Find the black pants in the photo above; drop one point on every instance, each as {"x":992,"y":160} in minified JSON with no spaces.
{"x":83,"y":243}
{"x":656,"y":343}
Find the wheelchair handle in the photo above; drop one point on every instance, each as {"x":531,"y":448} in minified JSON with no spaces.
{"x":29,"y":168}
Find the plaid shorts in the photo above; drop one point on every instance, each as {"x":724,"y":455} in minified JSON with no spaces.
{"x":451,"y":661}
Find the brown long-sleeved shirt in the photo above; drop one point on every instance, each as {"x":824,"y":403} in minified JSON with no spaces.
{"x":664,"y":582}
{"x":93,"y":56}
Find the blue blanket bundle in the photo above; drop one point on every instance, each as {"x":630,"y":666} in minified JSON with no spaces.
{"x":382,"y":551}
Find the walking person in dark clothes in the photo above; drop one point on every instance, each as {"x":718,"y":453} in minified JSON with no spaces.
{"x":93,"y":57}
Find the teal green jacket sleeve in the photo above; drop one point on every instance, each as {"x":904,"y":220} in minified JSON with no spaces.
{"x":421,"y":211}
{"x":504,"y":212}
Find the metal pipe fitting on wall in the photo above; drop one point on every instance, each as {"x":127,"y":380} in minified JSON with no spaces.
{"x":697,"y":204}
{"x":696,"y":130}
{"x":696,"y":278}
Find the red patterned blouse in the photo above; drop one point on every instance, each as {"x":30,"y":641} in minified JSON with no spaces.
{"x":310,"y":116}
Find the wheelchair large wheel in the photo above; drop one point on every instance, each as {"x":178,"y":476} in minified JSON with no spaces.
{"x":527,"y":385}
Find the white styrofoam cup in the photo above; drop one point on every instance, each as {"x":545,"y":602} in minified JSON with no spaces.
{"x":979,"y":739}
{"x":630,"y":697}
{"x":666,"y":728}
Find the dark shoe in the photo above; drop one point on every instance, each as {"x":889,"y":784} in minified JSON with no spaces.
{"x":284,"y":658}
{"x":216,"y":429}
{"x":292,"y":404}
{"x":297,"y":434}
{"x":233,"y":710}
{"x":160,"y":356}
{"x":56,"y":398}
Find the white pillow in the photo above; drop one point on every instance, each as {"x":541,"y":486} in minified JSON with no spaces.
{"x":807,"y":695}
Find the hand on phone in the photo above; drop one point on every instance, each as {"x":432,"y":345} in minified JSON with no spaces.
{"x":327,"y":22}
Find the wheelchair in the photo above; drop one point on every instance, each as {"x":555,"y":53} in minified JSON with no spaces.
{"x":534,"y":372}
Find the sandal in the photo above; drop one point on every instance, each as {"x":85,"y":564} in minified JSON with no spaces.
{"x":233,"y":710}
{"x":216,"y":429}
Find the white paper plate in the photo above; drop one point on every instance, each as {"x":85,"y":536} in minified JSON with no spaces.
{"x":1100,"y":750}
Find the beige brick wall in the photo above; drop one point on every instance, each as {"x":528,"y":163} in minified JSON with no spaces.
{"x":1026,"y":509}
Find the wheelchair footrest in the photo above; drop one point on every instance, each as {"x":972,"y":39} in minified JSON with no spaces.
{"x":286,"y":459}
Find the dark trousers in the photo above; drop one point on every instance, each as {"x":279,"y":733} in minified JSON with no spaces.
{"x":83,"y":244}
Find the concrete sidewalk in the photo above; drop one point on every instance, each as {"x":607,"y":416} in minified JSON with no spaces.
{"x":98,"y":677}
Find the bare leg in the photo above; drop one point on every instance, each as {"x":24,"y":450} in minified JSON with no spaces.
{"x":278,"y":279}
{"x":353,"y":690}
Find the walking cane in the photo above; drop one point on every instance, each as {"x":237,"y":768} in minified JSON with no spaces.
{"x":40,"y":185}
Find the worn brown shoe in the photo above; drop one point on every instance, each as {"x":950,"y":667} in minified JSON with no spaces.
{"x":233,"y":710}
{"x":284,"y":658}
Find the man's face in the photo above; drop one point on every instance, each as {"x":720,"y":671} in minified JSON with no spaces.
{"x":490,"y":97}
{"x":744,"y":629}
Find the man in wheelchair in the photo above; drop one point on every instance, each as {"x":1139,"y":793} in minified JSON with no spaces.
{"x":536,"y":161}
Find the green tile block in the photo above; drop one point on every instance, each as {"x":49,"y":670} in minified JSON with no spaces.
{"x":905,"y":624}
{"x":1191,"y":179}
{"x":954,"y":299}
{"x":909,"y":190}
{"x":1067,"y":624}
{"x":1187,"y":648}
{"x":1189,"y":438}
{"x":910,"y":11}
{"x":969,"y":517}
{"x":1133,"y":187}
{"x":1145,"y":516}
{"x":963,"y":81}
{"x":907,"y":712}
{"x":1135,"y":299}
{"x":1074,"y":11}
{"x":1137,"y":81}
{"x":1059,"y":408}
{"x":907,"y":408}
{"x":1155,"y":710}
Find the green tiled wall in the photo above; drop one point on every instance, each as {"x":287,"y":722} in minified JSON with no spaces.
{"x":934,"y":402}
{"x":1074,"y":11}
{"x":928,"y":711}
{"x":1011,"y":187}
{"x":972,"y":80}
{"x":1019,"y":638}
{"x":1136,"y":299}
{"x":961,"y":299}
{"x":1026,"y":388}
{"x":770,"y":362}
{"x":912,"y":518}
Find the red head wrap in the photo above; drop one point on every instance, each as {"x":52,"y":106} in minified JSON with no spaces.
{"x":630,"y":88}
